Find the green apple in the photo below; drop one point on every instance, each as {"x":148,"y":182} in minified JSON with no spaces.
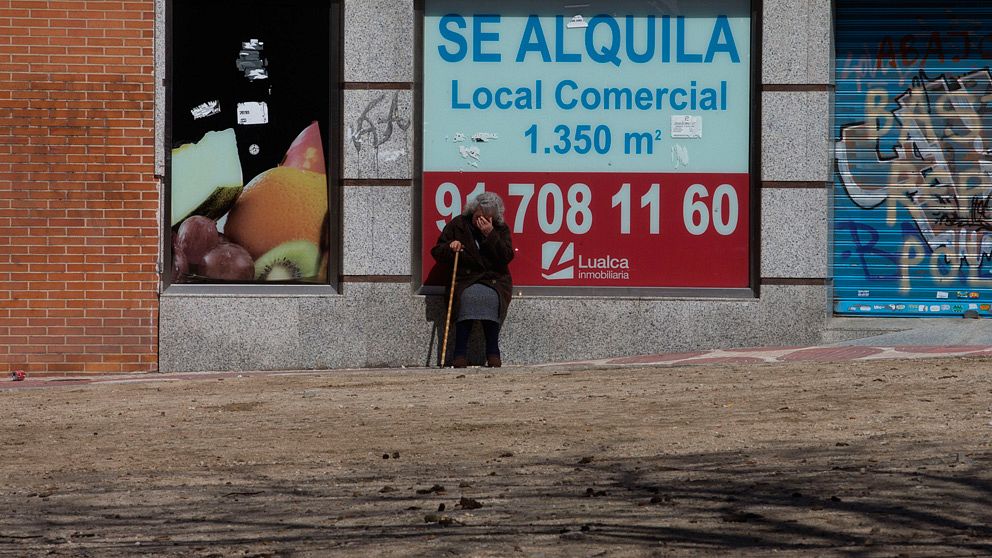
{"x":206,"y":176}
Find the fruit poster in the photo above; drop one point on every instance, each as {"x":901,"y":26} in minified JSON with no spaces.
{"x":248,"y":188}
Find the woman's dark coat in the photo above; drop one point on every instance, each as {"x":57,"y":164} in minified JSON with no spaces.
{"x":487,"y":263}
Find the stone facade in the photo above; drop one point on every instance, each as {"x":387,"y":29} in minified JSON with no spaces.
{"x":378,"y":319}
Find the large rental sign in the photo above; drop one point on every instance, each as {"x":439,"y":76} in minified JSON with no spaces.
{"x":617,"y":132}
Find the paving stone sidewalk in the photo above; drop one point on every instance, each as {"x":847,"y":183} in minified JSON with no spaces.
{"x":752,"y":355}
{"x":759,"y":355}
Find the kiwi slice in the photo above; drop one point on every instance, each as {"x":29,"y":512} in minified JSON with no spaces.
{"x":293,"y":260}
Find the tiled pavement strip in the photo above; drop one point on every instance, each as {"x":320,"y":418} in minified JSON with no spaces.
{"x":757,"y":355}
{"x":799,"y":354}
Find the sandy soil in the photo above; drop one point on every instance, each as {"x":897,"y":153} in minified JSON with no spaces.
{"x":883,"y":458}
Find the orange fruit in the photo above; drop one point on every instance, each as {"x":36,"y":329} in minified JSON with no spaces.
{"x":277,"y":206}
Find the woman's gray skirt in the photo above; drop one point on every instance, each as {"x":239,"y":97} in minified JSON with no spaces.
{"x":479,"y":302}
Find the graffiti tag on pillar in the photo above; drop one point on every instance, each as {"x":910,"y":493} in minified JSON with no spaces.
{"x":374,"y":129}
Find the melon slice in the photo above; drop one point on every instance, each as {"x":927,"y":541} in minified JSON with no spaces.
{"x":206,"y":176}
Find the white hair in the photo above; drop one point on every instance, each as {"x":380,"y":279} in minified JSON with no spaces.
{"x":490,"y":204}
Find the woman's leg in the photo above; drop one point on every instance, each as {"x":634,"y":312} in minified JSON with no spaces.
{"x":462,"y":331}
{"x":491,"y":329}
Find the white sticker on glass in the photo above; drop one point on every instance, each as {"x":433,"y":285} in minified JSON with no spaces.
{"x":253,"y":113}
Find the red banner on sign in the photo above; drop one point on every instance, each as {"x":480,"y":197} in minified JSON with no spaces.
{"x":667,"y":230}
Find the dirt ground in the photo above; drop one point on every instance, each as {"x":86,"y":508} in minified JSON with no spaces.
{"x":881,"y":458}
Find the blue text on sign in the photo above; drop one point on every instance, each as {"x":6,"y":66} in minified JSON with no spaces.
{"x":534,"y":40}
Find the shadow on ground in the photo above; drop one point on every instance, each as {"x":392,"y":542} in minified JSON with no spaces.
{"x":793,"y":500}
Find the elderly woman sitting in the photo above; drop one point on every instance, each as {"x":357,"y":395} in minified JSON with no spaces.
{"x":483,"y":286}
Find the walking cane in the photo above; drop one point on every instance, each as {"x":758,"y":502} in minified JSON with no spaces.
{"x":447,"y":319}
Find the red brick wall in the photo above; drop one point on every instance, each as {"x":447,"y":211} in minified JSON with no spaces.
{"x":79,"y":225}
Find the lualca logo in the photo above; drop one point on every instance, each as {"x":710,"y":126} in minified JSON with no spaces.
{"x":604,"y":267}
{"x":557,"y":264}
{"x":556,"y":258}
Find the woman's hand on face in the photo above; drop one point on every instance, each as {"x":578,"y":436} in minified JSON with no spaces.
{"x":455,"y":246}
{"x":484,"y":224}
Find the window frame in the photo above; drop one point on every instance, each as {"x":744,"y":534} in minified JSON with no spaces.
{"x":334,"y":155}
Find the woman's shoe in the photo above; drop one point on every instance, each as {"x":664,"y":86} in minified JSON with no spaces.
{"x":459,"y":362}
{"x":493,"y":361}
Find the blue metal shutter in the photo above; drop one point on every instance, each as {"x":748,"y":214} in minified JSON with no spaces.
{"x":912,"y":222}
